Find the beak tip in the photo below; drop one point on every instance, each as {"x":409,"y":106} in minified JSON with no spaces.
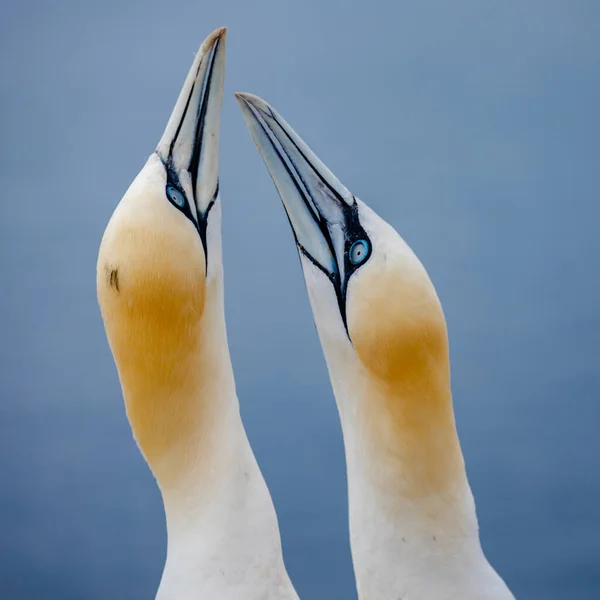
{"x":244,"y":100}
{"x":243,"y":96}
{"x":253,"y":101}
{"x":218,"y":34}
{"x":245,"y":108}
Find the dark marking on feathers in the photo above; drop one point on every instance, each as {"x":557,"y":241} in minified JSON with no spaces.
{"x":113,"y":278}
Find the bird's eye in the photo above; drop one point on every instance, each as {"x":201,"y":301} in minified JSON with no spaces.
{"x":358,"y":252}
{"x":175,"y":196}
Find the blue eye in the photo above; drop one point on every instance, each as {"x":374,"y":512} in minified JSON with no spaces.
{"x":175,"y":196}
{"x":358,"y":252}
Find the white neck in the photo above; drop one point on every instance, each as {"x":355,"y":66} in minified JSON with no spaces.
{"x":413,"y":526}
{"x":223,"y":535}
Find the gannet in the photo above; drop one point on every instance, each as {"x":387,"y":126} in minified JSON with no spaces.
{"x":160,"y":289}
{"x":413,"y":526}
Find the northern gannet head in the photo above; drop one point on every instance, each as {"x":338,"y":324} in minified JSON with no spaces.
{"x":413,"y":527}
{"x":159,"y":263}
{"x":372,"y":299}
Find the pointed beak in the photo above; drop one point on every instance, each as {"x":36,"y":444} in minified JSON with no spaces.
{"x":323,"y":213}
{"x":189,"y":147}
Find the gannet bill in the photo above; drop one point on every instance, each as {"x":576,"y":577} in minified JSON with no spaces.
{"x":160,"y":289}
{"x":413,"y":526}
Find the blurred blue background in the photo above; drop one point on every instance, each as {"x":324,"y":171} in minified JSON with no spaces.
{"x":472,"y":127}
